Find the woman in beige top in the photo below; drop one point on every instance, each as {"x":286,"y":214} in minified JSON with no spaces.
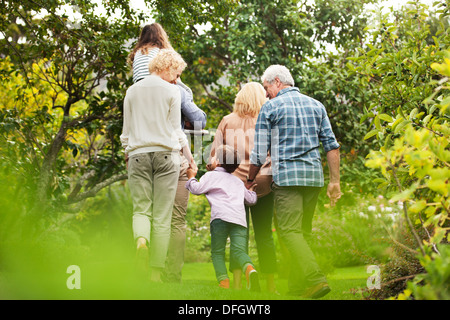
{"x":237,"y":130}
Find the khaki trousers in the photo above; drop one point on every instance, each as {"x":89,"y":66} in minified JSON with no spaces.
{"x":175,"y":254}
{"x":152,"y":179}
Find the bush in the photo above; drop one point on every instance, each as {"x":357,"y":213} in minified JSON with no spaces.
{"x":351,"y":235}
{"x":434,"y":284}
{"x":401,"y":266}
{"x":198,"y":242}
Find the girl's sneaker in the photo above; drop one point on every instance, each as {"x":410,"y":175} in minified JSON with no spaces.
{"x":224,"y":284}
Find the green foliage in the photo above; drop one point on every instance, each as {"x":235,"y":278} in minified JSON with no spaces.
{"x":385,"y":86}
{"x":239,"y":40}
{"x":409,"y":118}
{"x":402,"y":263}
{"x":198,"y":239}
{"x":228,"y":43}
{"x":405,"y":67}
{"x":354,"y":234}
{"x":434,"y":284}
{"x":65,"y":140}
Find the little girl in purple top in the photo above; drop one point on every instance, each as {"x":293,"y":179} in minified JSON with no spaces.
{"x":227,"y":197}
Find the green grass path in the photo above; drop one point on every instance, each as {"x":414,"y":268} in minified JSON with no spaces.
{"x":114,"y":281}
{"x":199,"y":283}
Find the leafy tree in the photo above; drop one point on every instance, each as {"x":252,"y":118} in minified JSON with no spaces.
{"x":72,"y":60}
{"x":239,"y":40}
{"x":62,"y":119}
{"x":228,"y":43}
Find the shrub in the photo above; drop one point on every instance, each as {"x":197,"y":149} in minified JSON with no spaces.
{"x":356,"y":234}
{"x":434,"y":284}
{"x":198,"y":242}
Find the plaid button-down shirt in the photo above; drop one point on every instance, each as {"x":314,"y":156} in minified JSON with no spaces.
{"x":291,"y":126}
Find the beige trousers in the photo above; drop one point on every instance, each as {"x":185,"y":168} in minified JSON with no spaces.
{"x":175,"y":254}
{"x":152,"y":179}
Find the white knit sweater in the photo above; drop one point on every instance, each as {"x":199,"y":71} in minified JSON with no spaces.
{"x":151,"y":117}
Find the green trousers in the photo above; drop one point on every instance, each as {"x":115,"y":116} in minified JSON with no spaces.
{"x":294,"y":207}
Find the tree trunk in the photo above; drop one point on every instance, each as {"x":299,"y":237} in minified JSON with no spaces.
{"x":46,"y":171}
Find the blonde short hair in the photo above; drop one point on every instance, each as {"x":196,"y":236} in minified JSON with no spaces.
{"x":250,"y":99}
{"x":166,"y":59}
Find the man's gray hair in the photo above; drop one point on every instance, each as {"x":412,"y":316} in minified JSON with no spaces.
{"x":280,"y":72}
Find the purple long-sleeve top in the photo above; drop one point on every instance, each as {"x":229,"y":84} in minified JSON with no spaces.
{"x":226,"y":194}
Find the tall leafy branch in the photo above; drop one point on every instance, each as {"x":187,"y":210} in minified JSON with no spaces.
{"x":82,"y":64}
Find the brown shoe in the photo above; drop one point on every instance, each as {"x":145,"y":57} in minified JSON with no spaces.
{"x":317,"y":291}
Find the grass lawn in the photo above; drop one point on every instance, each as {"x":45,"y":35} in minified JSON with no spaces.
{"x":112,"y":281}
{"x":199,"y":283}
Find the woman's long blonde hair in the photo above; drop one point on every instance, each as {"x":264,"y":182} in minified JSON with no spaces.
{"x":250,"y":99}
{"x":152,"y":35}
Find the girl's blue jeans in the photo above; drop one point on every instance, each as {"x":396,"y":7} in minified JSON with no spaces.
{"x":220,"y":231}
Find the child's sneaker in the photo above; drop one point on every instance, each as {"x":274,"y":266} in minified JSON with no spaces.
{"x":224,"y":284}
{"x":252,"y":279}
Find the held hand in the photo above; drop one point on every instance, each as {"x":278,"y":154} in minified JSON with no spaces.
{"x":253,"y":187}
{"x":334,"y":192}
{"x":191,"y":173}
{"x":249,"y":185}
{"x":193,"y":165}
{"x":212,"y":164}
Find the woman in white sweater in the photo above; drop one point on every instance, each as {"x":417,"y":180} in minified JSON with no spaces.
{"x":152,"y":138}
{"x":152,"y":39}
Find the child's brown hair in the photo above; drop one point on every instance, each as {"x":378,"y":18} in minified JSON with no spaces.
{"x":228,"y":158}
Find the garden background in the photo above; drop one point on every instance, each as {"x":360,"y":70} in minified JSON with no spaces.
{"x":382,"y":74}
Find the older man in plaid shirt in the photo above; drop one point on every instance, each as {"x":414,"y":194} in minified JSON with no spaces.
{"x":291,"y":126}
